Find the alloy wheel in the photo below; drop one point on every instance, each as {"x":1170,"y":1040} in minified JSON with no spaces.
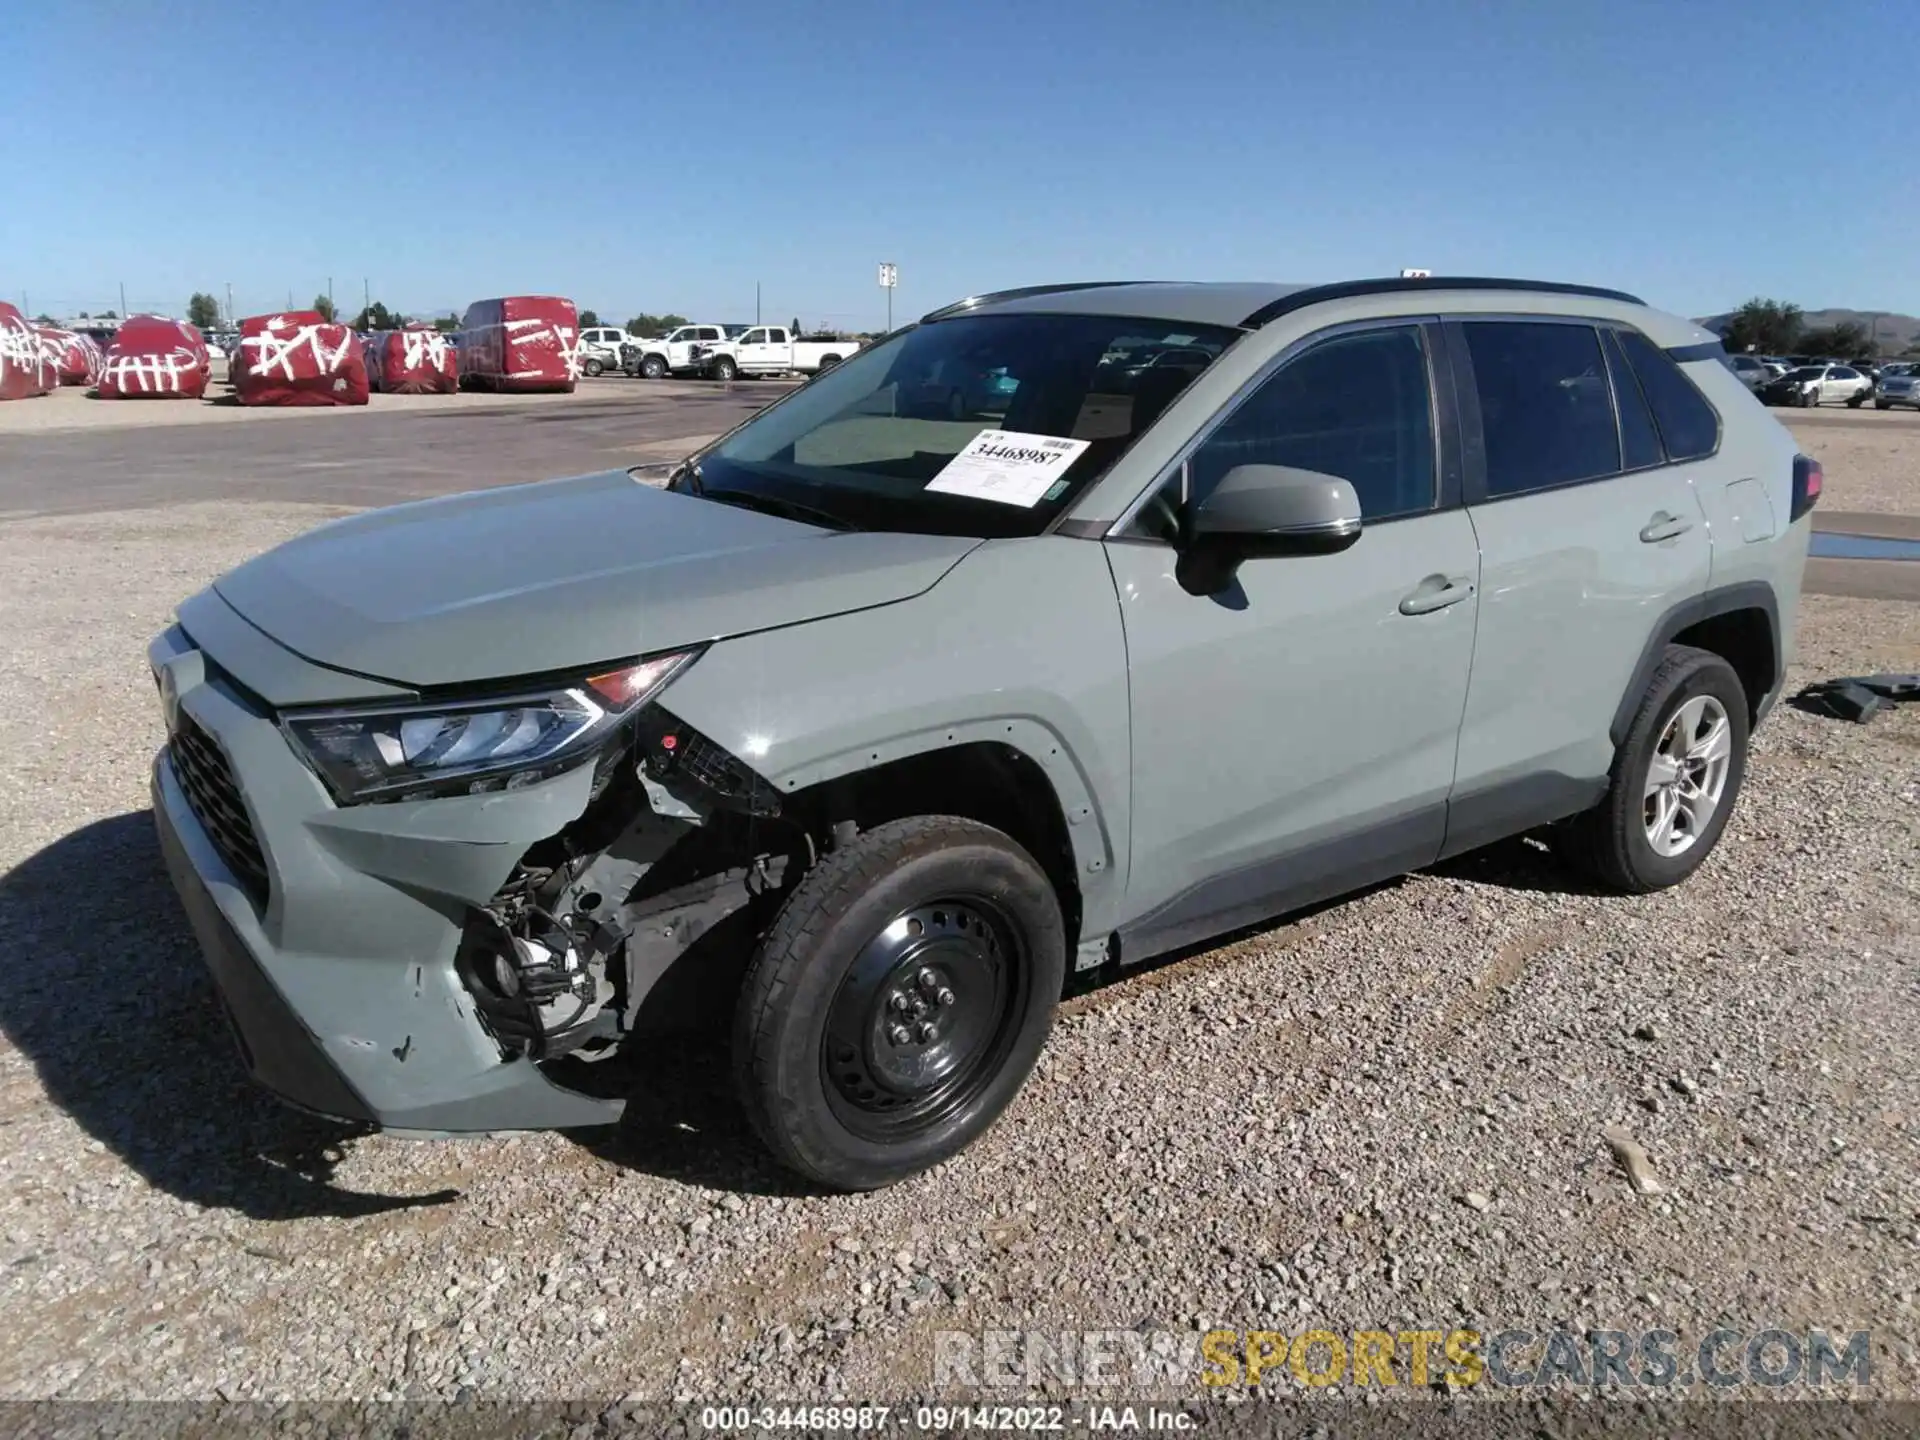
{"x":1687,"y":775}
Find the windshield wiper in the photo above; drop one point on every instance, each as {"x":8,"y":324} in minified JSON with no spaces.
{"x":785,"y":509}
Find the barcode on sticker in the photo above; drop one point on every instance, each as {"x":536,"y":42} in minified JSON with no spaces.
{"x":1056,"y":445}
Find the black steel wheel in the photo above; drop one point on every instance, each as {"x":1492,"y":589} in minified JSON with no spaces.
{"x":899,"y":1001}
{"x":924,"y":1017}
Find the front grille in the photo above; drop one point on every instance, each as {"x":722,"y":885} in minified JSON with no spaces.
{"x":214,"y":797}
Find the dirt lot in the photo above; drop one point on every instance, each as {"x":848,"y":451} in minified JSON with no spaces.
{"x":1385,"y":1115}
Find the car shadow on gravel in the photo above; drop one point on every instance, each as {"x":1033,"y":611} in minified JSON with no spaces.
{"x":104,"y":992}
{"x":683,"y":1124}
{"x":1521,"y":862}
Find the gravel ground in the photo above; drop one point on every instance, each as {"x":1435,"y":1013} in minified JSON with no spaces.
{"x":1387,"y":1114}
{"x":1871,"y":458}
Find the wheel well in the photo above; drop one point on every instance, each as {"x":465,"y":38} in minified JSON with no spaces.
{"x":994,"y":784}
{"x":1744,"y":639}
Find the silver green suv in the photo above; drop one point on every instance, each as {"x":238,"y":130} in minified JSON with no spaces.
{"x":1061,"y":629}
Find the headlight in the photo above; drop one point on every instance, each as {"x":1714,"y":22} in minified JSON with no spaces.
{"x":470,"y":747}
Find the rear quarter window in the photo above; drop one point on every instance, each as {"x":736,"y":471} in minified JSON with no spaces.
{"x":1689,"y":426}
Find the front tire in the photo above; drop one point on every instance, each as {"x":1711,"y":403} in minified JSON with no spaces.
{"x":1854,"y":402}
{"x":1675,"y":778}
{"x":725,"y":369}
{"x":1883,"y":404}
{"x":899,"y":1001}
{"x":654,"y":368}
{"x":1808,"y":399}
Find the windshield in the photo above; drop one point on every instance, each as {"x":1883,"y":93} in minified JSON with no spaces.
{"x":1807,"y":372}
{"x":876,"y":442}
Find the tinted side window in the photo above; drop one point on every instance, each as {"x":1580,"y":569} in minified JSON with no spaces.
{"x":1688,"y":424}
{"x":1639,"y":440}
{"x":1545,"y":406}
{"x":1356,"y":406}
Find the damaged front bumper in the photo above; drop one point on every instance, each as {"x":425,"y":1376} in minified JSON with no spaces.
{"x":332,"y":932}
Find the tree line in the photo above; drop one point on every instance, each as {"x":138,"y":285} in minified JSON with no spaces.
{"x":1779,"y":327}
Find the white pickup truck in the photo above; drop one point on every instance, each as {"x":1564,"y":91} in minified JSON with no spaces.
{"x":673,"y":353}
{"x":770,"y":350}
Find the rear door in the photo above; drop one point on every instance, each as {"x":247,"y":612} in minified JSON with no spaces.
{"x":1294,"y":737}
{"x":1588,"y":538}
{"x":768,"y":351}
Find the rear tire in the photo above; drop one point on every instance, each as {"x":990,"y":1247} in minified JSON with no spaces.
{"x":1675,"y":779}
{"x":592,"y":369}
{"x":937,"y":929}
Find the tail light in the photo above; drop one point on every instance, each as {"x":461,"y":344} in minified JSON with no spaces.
{"x":1808,"y":479}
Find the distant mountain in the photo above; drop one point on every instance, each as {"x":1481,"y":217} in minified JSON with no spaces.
{"x":1896,"y":332}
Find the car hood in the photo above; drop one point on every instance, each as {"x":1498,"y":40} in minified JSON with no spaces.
{"x":560,"y":575}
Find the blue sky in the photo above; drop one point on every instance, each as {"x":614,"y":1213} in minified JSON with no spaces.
{"x":654,"y":155}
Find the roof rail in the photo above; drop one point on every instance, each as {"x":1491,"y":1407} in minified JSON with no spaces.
{"x":1387,"y":285}
{"x":973,"y":302}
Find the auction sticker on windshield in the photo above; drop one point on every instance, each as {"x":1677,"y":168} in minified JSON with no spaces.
{"x":1007,"y":466}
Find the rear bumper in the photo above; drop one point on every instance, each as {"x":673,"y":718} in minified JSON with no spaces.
{"x":337,"y":972}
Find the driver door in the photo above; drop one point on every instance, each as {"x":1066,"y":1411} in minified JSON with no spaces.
{"x":1294,"y":737}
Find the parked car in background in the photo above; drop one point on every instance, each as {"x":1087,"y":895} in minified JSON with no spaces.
{"x":673,"y":353}
{"x":519,"y":342}
{"x":599,"y":349}
{"x":765,"y":350}
{"x":1811,"y":385}
{"x":1751,"y":369}
{"x":1897,"y":385}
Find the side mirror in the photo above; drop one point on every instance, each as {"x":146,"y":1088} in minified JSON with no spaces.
{"x":1262,"y":512}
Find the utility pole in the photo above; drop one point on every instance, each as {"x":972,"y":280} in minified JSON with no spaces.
{"x":230,"y":302}
{"x":123,"y":299}
{"x":756,"y":302}
{"x":366,"y":296}
{"x":330,"y":292}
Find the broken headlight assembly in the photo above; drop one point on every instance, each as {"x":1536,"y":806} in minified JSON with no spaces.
{"x":471,"y":747}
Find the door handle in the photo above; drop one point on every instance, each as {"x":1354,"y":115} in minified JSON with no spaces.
{"x":1436,"y":592}
{"x":1664,"y":527}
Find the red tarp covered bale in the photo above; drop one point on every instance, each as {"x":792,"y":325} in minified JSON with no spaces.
{"x":153,"y":358}
{"x":289,"y":359}
{"x":76,"y":359}
{"x":416,"y":361}
{"x":24,"y":370}
{"x":520,"y":342}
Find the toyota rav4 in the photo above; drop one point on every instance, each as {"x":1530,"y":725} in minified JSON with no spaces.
{"x":910,"y":696}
